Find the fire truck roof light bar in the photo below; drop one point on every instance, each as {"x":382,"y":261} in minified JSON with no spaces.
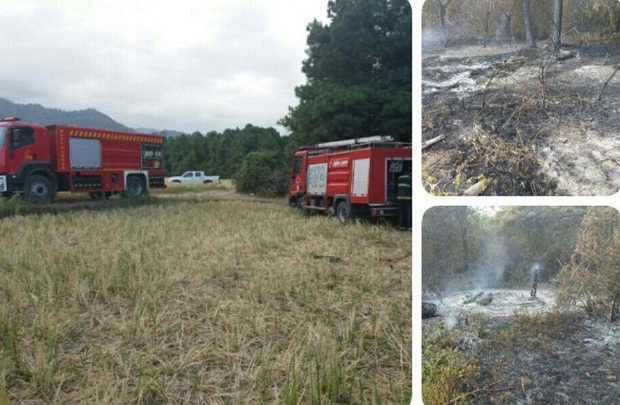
{"x":356,"y":141}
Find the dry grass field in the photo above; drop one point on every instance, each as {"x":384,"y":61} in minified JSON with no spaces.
{"x":181,"y":302}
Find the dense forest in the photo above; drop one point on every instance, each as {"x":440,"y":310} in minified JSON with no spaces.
{"x":358,"y":74}
{"x":229,"y":155}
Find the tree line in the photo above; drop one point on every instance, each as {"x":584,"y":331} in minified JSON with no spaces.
{"x":237,"y":154}
{"x":358,"y":73}
{"x":486,"y":21}
{"x":576,"y":249}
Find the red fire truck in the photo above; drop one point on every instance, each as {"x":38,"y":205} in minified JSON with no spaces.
{"x":39,"y":161}
{"x":353,"y":178}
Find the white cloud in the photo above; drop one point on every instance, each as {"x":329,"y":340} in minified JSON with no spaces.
{"x":186,"y":65}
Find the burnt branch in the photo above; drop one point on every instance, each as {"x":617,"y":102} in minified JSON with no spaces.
{"x":600,"y":95}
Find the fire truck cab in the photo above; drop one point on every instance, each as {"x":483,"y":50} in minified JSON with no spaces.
{"x":353,"y":178}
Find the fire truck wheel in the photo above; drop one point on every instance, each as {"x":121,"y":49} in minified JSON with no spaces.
{"x":299,"y":203}
{"x":135,"y":187}
{"x":39,"y":189}
{"x":343,"y":212}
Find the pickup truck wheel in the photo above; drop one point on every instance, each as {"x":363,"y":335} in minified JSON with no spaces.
{"x":135,"y":187}
{"x":343,"y":212}
{"x":39,"y":189}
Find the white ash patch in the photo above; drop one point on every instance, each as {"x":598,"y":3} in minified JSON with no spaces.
{"x":456,"y":306}
{"x":599,"y":73}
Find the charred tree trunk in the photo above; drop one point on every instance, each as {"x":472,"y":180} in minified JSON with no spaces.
{"x":503,"y":33}
{"x":441,"y":7}
{"x":556,"y":38}
{"x":527,"y":21}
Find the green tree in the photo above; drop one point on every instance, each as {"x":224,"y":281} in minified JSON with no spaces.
{"x":219,"y":153}
{"x":262,"y":172}
{"x":358,"y":74}
{"x":236,"y":144}
{"x":180,"y":155}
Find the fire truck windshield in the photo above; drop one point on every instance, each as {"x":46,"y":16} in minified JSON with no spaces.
{"x":3,"y":132}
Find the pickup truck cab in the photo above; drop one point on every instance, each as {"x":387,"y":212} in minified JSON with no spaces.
{"x":194,"y":177}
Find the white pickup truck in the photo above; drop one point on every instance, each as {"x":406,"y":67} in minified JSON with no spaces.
{"x":194,"y":177}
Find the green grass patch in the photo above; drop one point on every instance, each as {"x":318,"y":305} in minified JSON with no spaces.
{"x":10,"y":206}
{"x":448,"y":373}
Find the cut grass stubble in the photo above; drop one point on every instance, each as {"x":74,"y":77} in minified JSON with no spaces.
{"x":218,"y":302}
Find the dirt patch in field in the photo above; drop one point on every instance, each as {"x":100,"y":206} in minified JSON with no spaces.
{"x":74,"y":202}
{"x":522,"y":120}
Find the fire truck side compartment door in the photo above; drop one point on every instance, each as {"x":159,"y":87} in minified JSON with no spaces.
{"x":317,"y":178}
{"x":361,"y":170}
{"x":85,"y":153}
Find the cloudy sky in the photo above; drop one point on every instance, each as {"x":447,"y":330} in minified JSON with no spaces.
{"x":187,"y":65}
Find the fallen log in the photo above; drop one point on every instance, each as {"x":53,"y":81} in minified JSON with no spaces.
{"x":477,"y":188}
{"x":564,"y":55}
{"x":486,"y":300}
{"x":473,"y":299}
{"x":432,"y":141}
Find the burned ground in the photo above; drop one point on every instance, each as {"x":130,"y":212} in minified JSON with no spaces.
{"x":529,"y":353}
{"x":553,"y":359}
{"x":523,"y":121}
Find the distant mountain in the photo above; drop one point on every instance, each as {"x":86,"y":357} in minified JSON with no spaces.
{"x":38,"y":114}
{"x":90,"y":117}
{"x":164,"y":132}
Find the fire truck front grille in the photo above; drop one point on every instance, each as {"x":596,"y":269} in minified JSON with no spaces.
{"x":156,"y":181}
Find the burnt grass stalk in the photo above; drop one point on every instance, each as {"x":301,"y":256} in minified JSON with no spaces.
{"x":506,"y":125}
